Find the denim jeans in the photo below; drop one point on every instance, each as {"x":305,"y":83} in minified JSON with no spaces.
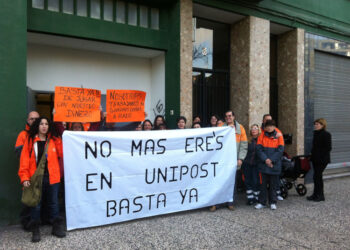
{"x":50,"y":196}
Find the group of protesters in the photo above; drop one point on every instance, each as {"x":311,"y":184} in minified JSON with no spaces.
{"x":259,"y":161}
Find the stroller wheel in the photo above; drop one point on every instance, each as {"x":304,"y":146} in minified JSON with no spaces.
{"x":301,"y":189}
{"x":289,"y":185}
{"x":284,"y":192}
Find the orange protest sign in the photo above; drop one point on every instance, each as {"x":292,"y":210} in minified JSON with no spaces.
{"x":125,"y":105}
{"x":77,"y":104}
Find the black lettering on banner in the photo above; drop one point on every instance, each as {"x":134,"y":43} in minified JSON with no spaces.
{"x":219,"y":142}
{"x":109,"y":148}
{"x":204,"y":170}
{"x":163,"y":200}
{"x":93,"y":151}
{"x":207,"y":142}
{"x":214,"y":167}
{"x":111,"y":207}
{"x":160,"y":173}
{"x":196,"y":171}
{"x":193,"y":194}
{"x":161,"y":146}
{"x":108,"y":182}
{"x":173,"y":170}
{"x":182,"y":172}
{"x":146,"y":176}
{"x":137,"y":204}
{"x":137,"y":147}
{"x":150,"y":200}
{"x":186,"y":150}
{"x":121,"y":206}
{"x":183,"y":196}
{"x":199,"y":145}
{"x":151,"y":147}
{"x":88,"y":182}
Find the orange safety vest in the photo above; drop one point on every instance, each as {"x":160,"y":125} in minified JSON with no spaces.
{"x":22,"y":137}
{"x":28,"y":160}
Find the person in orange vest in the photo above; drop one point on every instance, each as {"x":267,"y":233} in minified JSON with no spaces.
{"x":41,"y":134}
{"x":269,"y":150}
{"x":241,"y":147}
{"x":22,"y":136}
{"x":266,"y":118}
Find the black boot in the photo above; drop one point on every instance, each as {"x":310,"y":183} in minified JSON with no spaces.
{"x":58,"y":228}
{"x":319,"y":197}
{"x":34,"y":226}
{"x":311,"y":197}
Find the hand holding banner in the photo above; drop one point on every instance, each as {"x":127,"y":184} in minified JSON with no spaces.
{"x":125,"y":105}
{"x":77,"y":104}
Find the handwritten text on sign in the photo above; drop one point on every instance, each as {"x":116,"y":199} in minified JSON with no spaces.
{"x":125,"y":105}
{"x":77,"y":104}
{"x":118,"y":176}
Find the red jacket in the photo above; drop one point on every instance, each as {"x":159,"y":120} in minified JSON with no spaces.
{"x":28,"y":161}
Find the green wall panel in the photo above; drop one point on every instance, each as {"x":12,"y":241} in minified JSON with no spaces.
{"x":172,"y":67}
{"x":13,"y":46}
{"x":292,"y":13}
{"x":89,"y":28}
{"x":334,"y":9}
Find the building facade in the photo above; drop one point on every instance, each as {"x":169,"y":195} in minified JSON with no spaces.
{"x":192,"y":57}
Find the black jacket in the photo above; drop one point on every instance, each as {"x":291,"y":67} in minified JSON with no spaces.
{"x":321,"y":147}
{"x":251,"y":158}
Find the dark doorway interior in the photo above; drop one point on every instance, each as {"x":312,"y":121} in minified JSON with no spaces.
{"x":210,"y":77}
{"x":273,"y":78}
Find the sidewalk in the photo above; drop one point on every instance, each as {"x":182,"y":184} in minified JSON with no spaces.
{"x":296,"y":224}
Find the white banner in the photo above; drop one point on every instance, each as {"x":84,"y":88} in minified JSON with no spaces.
{"x":118,"y":176}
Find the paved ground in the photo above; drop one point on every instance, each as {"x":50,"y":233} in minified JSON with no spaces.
{"x":296,"y":224}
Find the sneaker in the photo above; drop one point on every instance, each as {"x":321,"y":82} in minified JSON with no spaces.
{"x":259,"y":206}
{"x":273,"y":206}
{"x":280,"y":198}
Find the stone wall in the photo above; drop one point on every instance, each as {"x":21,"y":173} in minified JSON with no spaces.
{"x":291,"y":88}
{"x":250,"y":70}
{"x":186,"y":13}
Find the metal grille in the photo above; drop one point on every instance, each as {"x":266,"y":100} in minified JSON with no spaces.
{"x":211,"y":93}
{"x":332,"y":101}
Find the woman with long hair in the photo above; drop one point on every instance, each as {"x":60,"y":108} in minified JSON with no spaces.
{"x":181,"y":122}
{"x":42,"y":135}
{"x":320,"y":157}
{"x":213,"y":121}
{"x":250,"y":167}
{"x":158,"y":121}
{"x":147,"y":125}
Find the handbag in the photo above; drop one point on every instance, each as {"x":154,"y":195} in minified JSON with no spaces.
{"x":31,"y":195}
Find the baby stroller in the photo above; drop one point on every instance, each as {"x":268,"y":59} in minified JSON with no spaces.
{"x":293,"y":168}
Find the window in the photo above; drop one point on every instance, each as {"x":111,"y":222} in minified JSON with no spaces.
{"x":81,"y":8}
{"x":143,"y":16}
{"x":95,"y":9}
{"x":120,"y":12}
{"x":132,"y":14}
